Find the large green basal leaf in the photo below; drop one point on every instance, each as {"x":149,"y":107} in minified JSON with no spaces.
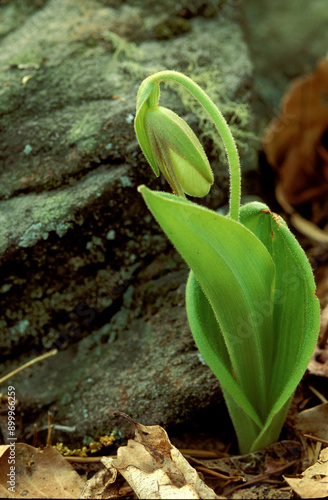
{"x":209,"y":340}
{"x":295,"y":317}
{"x":236,"y":272}
{"x":296,"y":313}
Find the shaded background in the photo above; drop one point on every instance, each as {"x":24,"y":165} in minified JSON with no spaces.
{"x":84,"y":268}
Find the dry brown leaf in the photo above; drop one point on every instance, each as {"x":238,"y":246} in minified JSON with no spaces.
{"x":321,"y":277}
{"x":38,"y":474}
{"x":323,"y":336}
{"x":154,"y":468}
{"x":314,"y":421}
{"x":100,"y":486}
{"x":295,"y":142}
{"x":314,"y":483}
{"x":296,"y":145}
{"x":319,"y":362}
{"x":302,"y":225}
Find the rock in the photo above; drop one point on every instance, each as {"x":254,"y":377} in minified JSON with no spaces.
{"x":76,"y":240}
{"x":145,"y":366}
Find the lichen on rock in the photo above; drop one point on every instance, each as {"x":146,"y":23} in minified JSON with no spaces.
{"x":75,"y":236}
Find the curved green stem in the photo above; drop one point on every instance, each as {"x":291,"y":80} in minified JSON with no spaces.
{"x":223,"y":129}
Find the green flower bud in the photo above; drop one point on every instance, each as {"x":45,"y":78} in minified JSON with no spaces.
{"x":171,"y":147}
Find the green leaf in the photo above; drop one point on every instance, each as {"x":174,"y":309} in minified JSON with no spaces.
{"x":210,"y":342}
{"x":250,"y":436}
{"x":236,"y":272}
{"x":251,"y":306}
{"x":296,"y":313}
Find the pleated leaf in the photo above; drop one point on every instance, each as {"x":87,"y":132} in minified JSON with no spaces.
{"x":236,"y":272}
{"x":296,"y":312}
{"x":251,"y":306}
{"x":252,"y":434}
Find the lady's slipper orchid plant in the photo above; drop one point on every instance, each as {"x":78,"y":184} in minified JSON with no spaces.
{"x":250,"y":295}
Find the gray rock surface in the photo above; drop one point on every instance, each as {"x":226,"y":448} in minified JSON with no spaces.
{"x":83,"y":265}
{"x":146,"y":366}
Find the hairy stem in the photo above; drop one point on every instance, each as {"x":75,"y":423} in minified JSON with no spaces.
{"x":222,"y":127}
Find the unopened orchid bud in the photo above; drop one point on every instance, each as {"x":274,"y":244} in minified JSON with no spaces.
{"x":172,"y":148}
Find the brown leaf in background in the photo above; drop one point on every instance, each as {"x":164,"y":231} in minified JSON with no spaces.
{"x":296,"y":145}
{"x":38,"y":474}
{"x":319,"y":362}
{"x":156,"y":469}
{"x":314,"y":483}
{"x":314,"y":421}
